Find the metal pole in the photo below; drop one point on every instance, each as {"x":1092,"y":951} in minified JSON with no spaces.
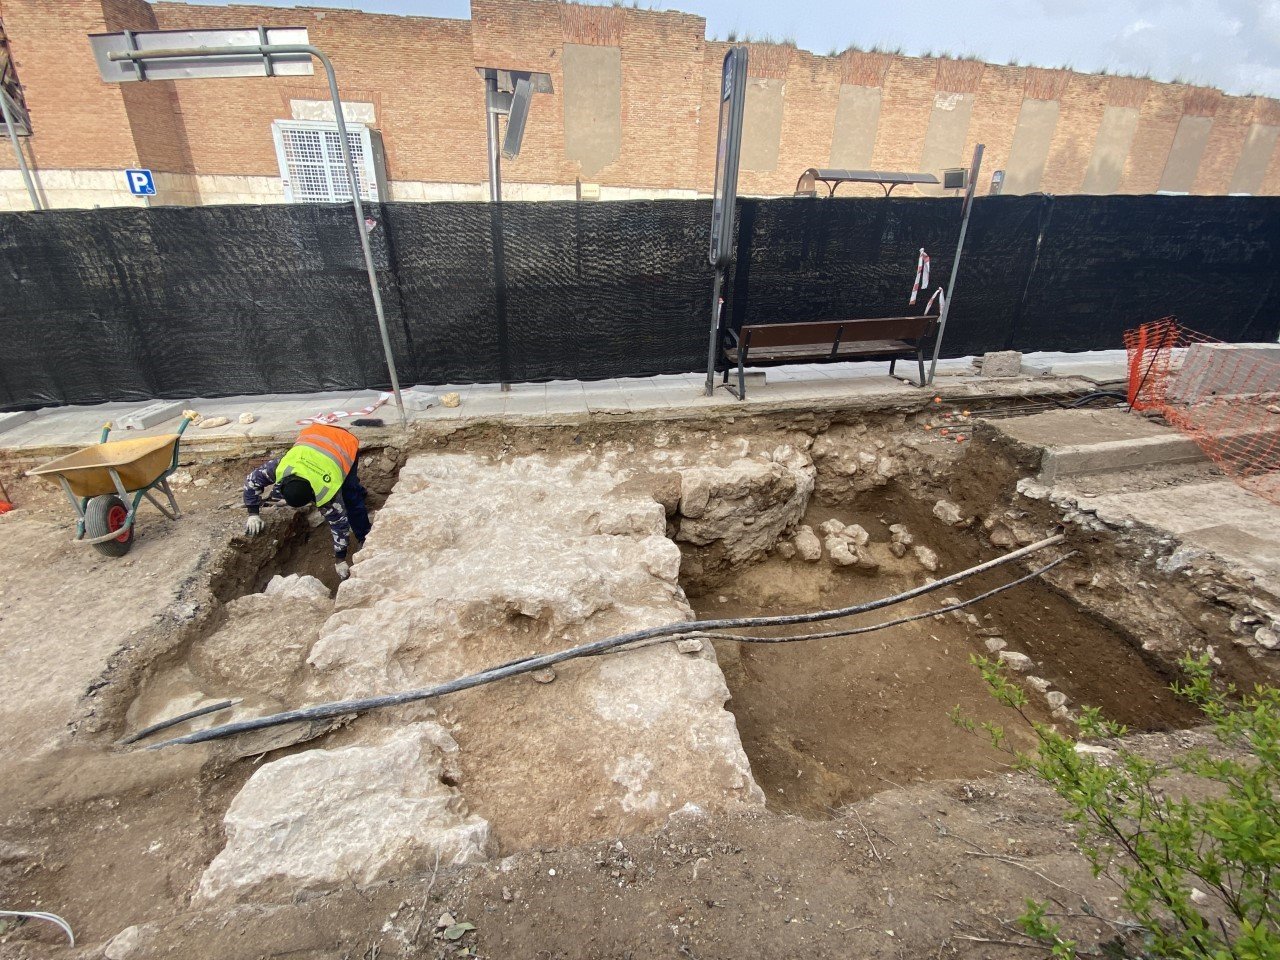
{"x":955,"y":263}
{"x":363,"y":230}
{"x":266,"y":50}
{"x":17,"y":151}
{"x":491,"y":130}
{"x":715,"y":332}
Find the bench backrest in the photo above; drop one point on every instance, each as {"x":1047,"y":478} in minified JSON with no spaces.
{"x":848,"y":331}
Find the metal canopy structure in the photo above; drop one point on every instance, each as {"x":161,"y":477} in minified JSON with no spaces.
{"x":129,"y":57}
{"x":807,"y":185}
{"x":507,"y":93}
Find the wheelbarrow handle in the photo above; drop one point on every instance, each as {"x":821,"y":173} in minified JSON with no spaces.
{"x":106,"y":430}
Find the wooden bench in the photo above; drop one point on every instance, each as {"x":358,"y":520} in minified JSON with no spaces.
{"x":828,"y":341}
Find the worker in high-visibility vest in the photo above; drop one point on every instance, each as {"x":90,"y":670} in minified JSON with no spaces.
{"x":319,"y":468}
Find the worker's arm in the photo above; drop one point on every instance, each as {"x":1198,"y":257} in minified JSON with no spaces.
{"x":339,"y":527}
{"x":257,"y":482}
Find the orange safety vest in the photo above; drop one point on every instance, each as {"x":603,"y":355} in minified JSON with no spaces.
{"x":322,"y":455}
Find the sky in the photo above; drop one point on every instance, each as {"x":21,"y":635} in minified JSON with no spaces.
{"x":1231,"y":44}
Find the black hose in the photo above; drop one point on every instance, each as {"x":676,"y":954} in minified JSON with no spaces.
{"x":831,"y":634}
{"x":174,"y":721}
{"x":530,"y":664}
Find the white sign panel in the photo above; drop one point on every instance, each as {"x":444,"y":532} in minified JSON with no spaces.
{"x":188,"y":68}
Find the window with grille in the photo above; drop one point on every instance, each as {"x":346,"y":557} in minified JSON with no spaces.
{"x":311,"y":167}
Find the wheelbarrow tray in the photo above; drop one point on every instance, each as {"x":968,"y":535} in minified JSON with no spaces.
{"x":139,"y":464}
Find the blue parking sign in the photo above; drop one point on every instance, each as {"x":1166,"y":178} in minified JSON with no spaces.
{"x":141,"y":183}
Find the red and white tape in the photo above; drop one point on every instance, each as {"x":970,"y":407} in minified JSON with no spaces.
{"x":922,"y":276}
{"x":336,"y":415}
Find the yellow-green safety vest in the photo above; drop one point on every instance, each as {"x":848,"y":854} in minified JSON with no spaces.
{"x":322,"y":471}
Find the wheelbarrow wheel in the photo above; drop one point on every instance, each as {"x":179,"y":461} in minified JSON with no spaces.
{"x":104,"y":515}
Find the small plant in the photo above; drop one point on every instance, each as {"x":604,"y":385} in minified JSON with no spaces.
{"x":1196,"y":873}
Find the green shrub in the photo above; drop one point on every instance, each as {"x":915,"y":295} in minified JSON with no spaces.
{"x":1161,"y":845}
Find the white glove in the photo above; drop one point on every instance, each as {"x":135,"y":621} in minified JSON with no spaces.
{"x":253,"y":526}
{"x":343,"y":568}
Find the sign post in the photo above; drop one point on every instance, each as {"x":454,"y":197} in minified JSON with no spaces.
{"x":733,"y":96}
{"x":955,"y":262}
{"x":135,"y":57}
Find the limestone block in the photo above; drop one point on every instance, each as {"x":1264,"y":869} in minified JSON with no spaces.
{"x":808,"y":546}
{"x":745,"y":506}
{"x":926,"y":558}
{"x":1002,"y":363}
{"x":1016,"y":661}
{"x":948,"y":513}
{"x":328,"y":818}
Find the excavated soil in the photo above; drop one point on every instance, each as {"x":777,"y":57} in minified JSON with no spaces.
{"x":912,"y":838}
{"x":829,"y":722}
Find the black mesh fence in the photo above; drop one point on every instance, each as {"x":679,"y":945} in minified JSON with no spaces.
{"x":132,"y":304}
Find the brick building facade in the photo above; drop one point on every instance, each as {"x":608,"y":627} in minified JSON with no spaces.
{"x":633,"y":112}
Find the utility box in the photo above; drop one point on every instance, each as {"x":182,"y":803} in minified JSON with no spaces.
{"x":957,"y":178}
{"x":310,"y":157}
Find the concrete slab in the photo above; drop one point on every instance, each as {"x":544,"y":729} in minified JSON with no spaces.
{"x":1219,"y":517}
{"x":10,"y":420}
{"x":153,"y":414}
{"x":1078,"y":442}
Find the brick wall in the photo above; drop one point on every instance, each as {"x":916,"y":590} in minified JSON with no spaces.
{"x":420,"y":76}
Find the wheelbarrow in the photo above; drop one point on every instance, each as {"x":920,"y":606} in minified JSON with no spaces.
{"x":101,"y":480}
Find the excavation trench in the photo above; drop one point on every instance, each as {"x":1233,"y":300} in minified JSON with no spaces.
{"x":481,"y":557}
{"x":828,"y":722}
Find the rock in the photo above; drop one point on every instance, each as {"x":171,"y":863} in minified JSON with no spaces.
{"x":744,"y":506}
{"x":1019,"y":662}
{"x":1038,"y":684}
{"x":263,"y":644}
{"x":926,"y":558}
{"x":1094,"y":750}
{"x":1198,"y":896}
{"x":1267,"y":637}
{"x":415,"y":399}
{"x":323,"y":819}
{"x":446,"y":920}
{"x":808,"y":546}
{"x":840,"y":551}
{"x":545,"y":675}
{"x":123,"y":945}
{"x":208,"y":423}
{"x":689,"y":645}
{"x":180,"y":478}
{"x":451,"y":400}
{"x":856,"y":534}
{"x":898,"y":533}
{"x":1179,"y":560}
{"x":948,"y":513}
{"x":247,"y":418}
{"x":847,"y":466}
{"x":830,"y":528}
{"x":202,"y":482}
{"x":994,"y":644}
{"x":786,"y":549}
{"x":1061,"y":713}
{"x":1055,"y":699}
{"x":1002,"y":363}
{"x":297,"y":586}
{"x":899,"y":550}
{"x":864,"y":560}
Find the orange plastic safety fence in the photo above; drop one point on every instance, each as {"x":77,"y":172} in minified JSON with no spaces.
{"x":1224,"y":396}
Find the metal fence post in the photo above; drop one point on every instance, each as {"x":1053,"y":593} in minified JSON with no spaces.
{"x":955,"y":263}
{"x":17,"y":151}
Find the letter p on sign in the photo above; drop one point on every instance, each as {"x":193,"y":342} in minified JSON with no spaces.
{"x":141,"y":183}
